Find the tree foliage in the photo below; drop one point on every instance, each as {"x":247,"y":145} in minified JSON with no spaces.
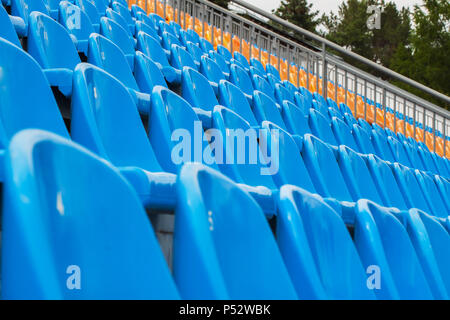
{"x":298,"y":12}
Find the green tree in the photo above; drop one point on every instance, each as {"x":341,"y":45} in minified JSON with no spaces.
{"x":298,"y":12}
{"x":222,"y":3}
{"x":426,"y":60}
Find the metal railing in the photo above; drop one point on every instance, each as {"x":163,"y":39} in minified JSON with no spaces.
{"x":322,"y":64}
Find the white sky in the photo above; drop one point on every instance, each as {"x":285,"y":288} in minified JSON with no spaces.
{"x":324,"y":6}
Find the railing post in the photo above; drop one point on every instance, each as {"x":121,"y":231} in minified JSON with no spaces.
{"x":434,"y":131}
{"x":324,"y":73}
{"x":346,"y":86}
{"x":424,"y":124}
{"x":414,"y":120}
{"x":445,"y":136}
{"x":383,"y":101}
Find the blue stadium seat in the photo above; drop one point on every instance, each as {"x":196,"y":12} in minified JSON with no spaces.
{"x":186,"y":37}
{"x":398,"y":151}
{"x":224,"y":52}
{"x":242,"y":60}
{"x":217,"y":58}
{"x":101,"y":6}
{"x":180,"y":58}
{"x":23,"y":8}
{"x":195,"y":88}
{"x":265,"y":109}
{"x":253,"y":71}
{"x":168,"y":39}
{"x":108,"y":56}
{"x":51,"y":45}
{"x":313,"y":255}
{"x":156,"y":20}
{"x":91,"y":11}
{"x":176,"y":27}
{"x":205,"y":45}
{"x":147,"y":73}
{"x":382,"y":241}
{"x":125,"y":14}
{"x":320,"y":127}
{"x":357,"y":176}
{"x":233,"y":262}
{"x":250,"y":172}
{"x":281,"y":94}
{"x":350,"y":120}
{"x":168,"y":113}
{"x":362,"y":139}
{"x":258,"y":65}
{"x":427,"y":159}
{"x":136,"y":10}
{"x":291,"y":168}
{"x":408,"y":184}
{"x":141,"y":26}
{"x":114,"y":32}
{"x":431,"y":194}
{"x":343,"y":134}
{"x":324,"y":170}
{"x":117,"y":18}
{"x":273,"y":71}
{"x":211,"y":70}
{"x":164,"y":27}
{"x":234,"y":99}
{"x":152,"y":48}
{"x":381,"y":147}
{"x":240,"y":78}
{"x":413,"y":156}
{"x":81,"y":235}
{"x":7,"y":30}
{"x":27,"y":100}
{"x":431,"y":241}
{"x":443,"y":186}
{"x":53,"y":7}
{"x":288,"y":85}
{"x":106,"y":119}
{"x":196,"y":53}
{"x":80,"y":28}
{"x":261,"y":84}
{"x":295,"y":119}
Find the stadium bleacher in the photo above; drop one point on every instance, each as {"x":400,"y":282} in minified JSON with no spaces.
{"x":80,"y":188}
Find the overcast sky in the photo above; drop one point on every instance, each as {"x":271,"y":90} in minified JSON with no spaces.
{"x":324,"y":6}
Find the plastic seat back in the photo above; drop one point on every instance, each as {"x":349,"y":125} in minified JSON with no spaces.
{"x":105,"y":120}
{"x":101,"y":6}
{"x":147,"y":73}
{"x":427,"y":159}
{"x":432,"y":243}
{"x":205,"y":45}
{"x":7,"y":30}
{"x":195,"y":52}
{"x":152,"y":49}
{"x":266,"y":109}
{"x":357,"y":175}
{"x":239,"y":77}
{"x":381,"y":147}
{"x":384,"y":179}
{"x":320,"y":127}
{"x":168,"y":40}
{"x":409,"y":186}
{"x":398,"y":151}
{"x":383,"y":241}
{"x":224,"y":52}
{"x":363,"y":140}
{"x":258,"y":65}
{"x":81,"y":29}
{"x":26,"y":100}
{"x":23,"y":8}
{"x":343,"y":134}
{"x":211,"y":69}
{"x":241,"y":59}
{"x":413,"y":156}
{"x":281,"y":94}
{"x":295,"y":119}
{"x":180,"y":58}
{"x":117,"y":18}
{"x":89,"y":8}
{"x":217,"y":255}
{"x":291,"y":168}
{"x":197,"y":91}
{"x":323,"y":169}
{"x":172,"y":116}
{"x":317,"y":249}
{"x":65,"y":235}
{"x":261,"y":84}
{"x":117,"y":34}
{"x":273,"y":71}
{"x":242,"y":160}
{"x":443,"y":186}
{"x":186,"y":37}
{"x":431,"y":194}
{"x":234,"y":99}
{"x":50,"y":44}
{"x":220,"y":62}
{"x":141,"y":26}
{"x":124,"y":13}
{"x":106,"y":55}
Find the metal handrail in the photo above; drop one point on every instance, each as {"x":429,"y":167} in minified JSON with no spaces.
{"x":319,"y":61}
